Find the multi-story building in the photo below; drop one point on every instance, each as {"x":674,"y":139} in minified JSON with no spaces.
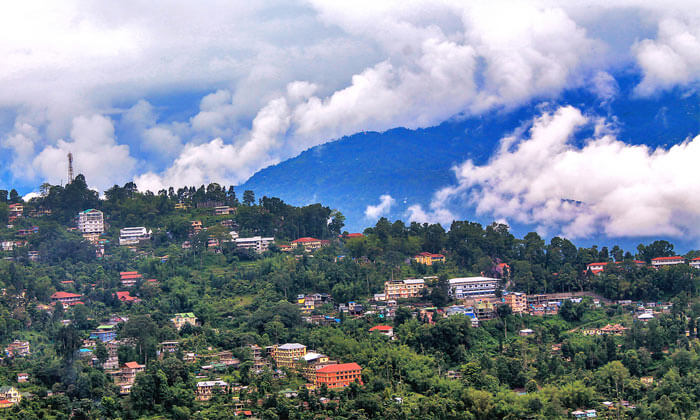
{"x":15,"y":212}
{"x":104,"y":333}
{"x":183,"y":318}
{"x":195,"y":227}
{"x":597,"y":267}
{"x":133,"y":235}
{"x":10,"y":394}
{"x":403,"y":289}
{"x":255,"y":243}
{"x":663,"y":261}
{"x":17,"y":348}
{"x":312,"y":361}
{"x":129,"y":278}
{"x":91,"y":221}
{"x":428,"y":258}
{"x":126,"y":376}
{"x":468,"y":287}
{"x":339,"y":375}
{"x":517,"y":302}
{"x":168,"y":347}
{"x":695,"y":262}
{"x":66,"y":298}
{"x":386,"y":330}
{"x":287,"y":354}
{"x":206,"y":389}
{"x":222,"y":210}
{"x":309,"y":244}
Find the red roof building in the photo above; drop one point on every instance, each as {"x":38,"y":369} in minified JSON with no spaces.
{"x":339,"y":376}
{"x":65,"y":298}
{"x":126,"y":297}
{"x":661,"y":261}
{"x":428,"y":258}
{"x":309,"y":244}
{"x":386,"y":330}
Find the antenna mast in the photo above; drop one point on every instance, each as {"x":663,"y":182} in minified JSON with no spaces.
{"x":70,"y":166}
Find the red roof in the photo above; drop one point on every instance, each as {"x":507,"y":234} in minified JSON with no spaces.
{"x":133,"y":365}
{"x":66,"y":281}
{"x":354,"y":235}
{"x":131,"y":276}
{"x":64,"y":295}
{"x":5,"y":402}
{"x":341,"y":367}
{"x":696,"y":259}
{"x":382,"y":328}
{"x":676,"y":257}
{"x":428,"y":254}
{"x":125,"y":296}
{"x":152,"y":280}
{"x":598,"y":263}
{"x":305,"y":239}
{"x":122,"y":273}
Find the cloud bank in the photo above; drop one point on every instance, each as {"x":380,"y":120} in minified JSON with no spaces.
{"x":381,"y":209}
{"x":604,"y":186}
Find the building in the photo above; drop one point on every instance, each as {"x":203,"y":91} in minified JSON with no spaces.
{"x":10,"y":394}
{"x":66,"y":299}
{"x":309,"y":244}
{"x":609,"y":329}
{"x":339,"y":375}
{"x":184,"y":318}
{"x":526,"y":332}
{"x":255,"y":243}
{"x":517,"y":302}
{"x":403,"y":289}
{"x":22,"y":377}
{"x":287,"y":354}
{"x":662,"y":261}
{"x":195,"y":227}
{"x":312,"y":361}
{"x":597,"y":267}
{"x":133,"y":235}
{"x":127,"y":298}
{"x":695,"y":262}
{"x":468,"y":287}
{"x":206,"y":389}
{"x":28,"y":232}
{"x":168,"y":347}
{"x":428,"y":259}
{"x":17,"y":348}
{"x":15,"y":212}
{"x":126,"y":376}
{"x":91,"y":221}
{"x":129,"y":278}
{"x":386,"y":330}
{"x":222,"y":210}
{"x":104,"y":333}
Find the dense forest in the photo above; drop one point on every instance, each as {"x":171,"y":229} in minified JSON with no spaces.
{"x":435,"y":367}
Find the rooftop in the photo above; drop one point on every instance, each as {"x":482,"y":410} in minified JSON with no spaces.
{"x":341,"y":367}
{"x":291,"y":346}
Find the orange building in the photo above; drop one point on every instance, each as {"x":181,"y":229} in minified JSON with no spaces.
{"x":429,"y":259}
{"x":339,"y":376}
{"x":517,"y":302}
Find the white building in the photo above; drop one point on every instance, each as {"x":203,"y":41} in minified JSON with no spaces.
{"x":133,"y":235}
{"x":468,"y":287}
{"x":256,"y":243}
{"x":91,"y":221}
{"x":695,"y":262}
{"x":661,"y":261}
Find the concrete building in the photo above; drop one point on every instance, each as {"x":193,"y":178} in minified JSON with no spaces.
{"x":695,"y":262}
{"x":10,"y":394}
{"x":339,"y":375}
{"x":309,"y":244}
{"x":663,"y":261}
{"x":65,"y":298}
{"x":517,"y":302}
{"x":386,"y":330}
{"x":468,"y":287}
{"x":206,"y":389}
{"x":255,"y":243}
{"x":133,"y":235}
{"x":91,"y":221}
{"x":184,"y":318}
{"x":403,"y":289}
{"x":287,"y":354}
{"x":429,"y":259}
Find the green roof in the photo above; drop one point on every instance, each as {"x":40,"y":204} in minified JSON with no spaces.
{"x":105,"y":327}
{"x":186,"y":315}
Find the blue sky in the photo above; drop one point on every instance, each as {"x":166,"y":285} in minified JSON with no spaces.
{"x":215,"y":90}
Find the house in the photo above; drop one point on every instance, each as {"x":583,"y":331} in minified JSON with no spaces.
{"x":22,"y":377}
{"x":468,"y":287}
{"x":339,"y":375}
{"x":66,"y":299}
{"x":180,"y":206}
{"x":647,"y":380}
{"x":33,"y":255}
{"x":104,"y":333}
{"x":578,"y":414}
{"x":126,"y":376}
{"x":695,"y":262}
{"x":27,"y":232}
{"x":287,"y":354}
{"x":10,"y":394}
{"x":645,"y":317}
{"x":195,"y":227}
{"x":206,"y":389}
{"x":18,"y":348}
{"x":517,"y":302}
{"x":403,"y":289}
{"x":255,"y":243}
{"x":133,"y":235}
{"x":352,"y":235}
{"x":428,"y":258}
{"x":129,"y":278}
{"x":597,"y":268}
{"x":184,"y":318}
{"x":127,"y":298}
{"x":309,"y":244}
{"x":91,"y":221}
{"x":526,"y":332}
{"x":222,"y":210}
{"x":15,"y":212}
{"x":168,"y":347}
{"x":386,"y":330}
{"x":663,"y":261}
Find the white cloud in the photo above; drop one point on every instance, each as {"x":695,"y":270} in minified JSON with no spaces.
{"x":381,"y":209}
{"x":95,"y":155}
{"x":605,"y":186}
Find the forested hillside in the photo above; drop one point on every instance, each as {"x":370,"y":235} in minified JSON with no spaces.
{"x":187,"y":323}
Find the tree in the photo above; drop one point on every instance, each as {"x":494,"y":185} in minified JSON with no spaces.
{"x":101,"y":352}
{"x":248,"y":197}
{"x":68,"y":342}
{"x":439,"y":293}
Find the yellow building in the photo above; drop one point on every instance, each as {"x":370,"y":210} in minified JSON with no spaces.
{"x":287,"y":354}
{"x":184,"y":318}
{"x":403,"y":289}
{"x":10,"y":394}
{"x":429,"y":259}
{"x":516,"y":301}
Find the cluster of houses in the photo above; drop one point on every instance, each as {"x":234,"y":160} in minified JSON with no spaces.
{"x":598,"y":267}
